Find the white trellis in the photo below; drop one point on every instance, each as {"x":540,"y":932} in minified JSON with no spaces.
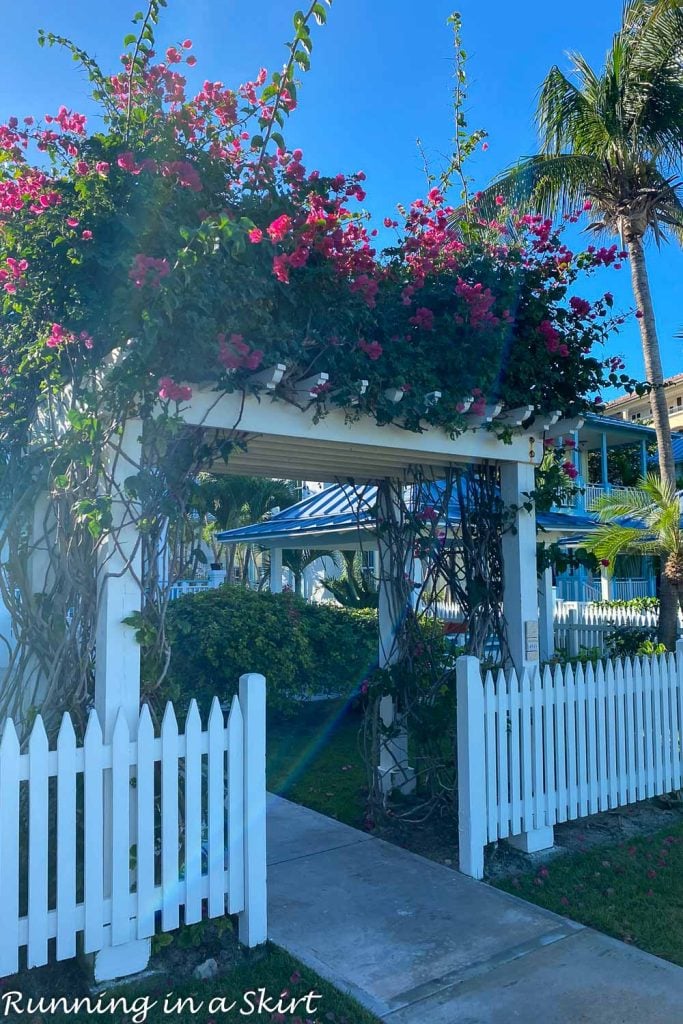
{"x":276,"y":439}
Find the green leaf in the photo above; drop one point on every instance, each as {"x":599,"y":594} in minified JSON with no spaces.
{"x":130,"y":39}
{"x":319,"y":13}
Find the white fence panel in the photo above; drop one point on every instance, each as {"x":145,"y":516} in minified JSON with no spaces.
{"x":587,"y":626}
{"x":86,"y":858}
{"x":551,"y":747}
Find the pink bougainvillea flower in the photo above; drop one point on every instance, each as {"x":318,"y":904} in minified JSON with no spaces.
{"x":484,"y":146}
{"x":169,"y":391}
{"x":147,"y":270}
{"x":86,"y":235}
{"x":281,"y":268}
{"x":279,"y":227}
{"x":500,"y":201}
{"x":579,"y":306}
{"x":73,"y":222}
{"x":423,"y":318}
{"x":372,"y":349}
{"x":255,"y":235}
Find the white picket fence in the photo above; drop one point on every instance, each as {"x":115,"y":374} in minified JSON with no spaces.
{"x":578,"y":626}
{"x":563,"y":744}
{"x":119,"y":836}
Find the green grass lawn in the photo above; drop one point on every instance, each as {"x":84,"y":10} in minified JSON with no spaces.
{"x":633,"y":891}
{"x":314,"y":760}
{"x":272,"y":970}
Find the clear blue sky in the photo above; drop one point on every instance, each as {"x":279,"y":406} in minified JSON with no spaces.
{"x":381,"y":78}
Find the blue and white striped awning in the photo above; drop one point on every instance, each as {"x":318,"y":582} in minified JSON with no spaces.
{"x":342,"y":510}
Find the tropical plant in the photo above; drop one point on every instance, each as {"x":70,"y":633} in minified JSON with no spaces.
{"x":646,"y":520}
{"x":227,"y":502}
{"x":297,"y":560}
{"x":612,"y":143}
{"x":353,"y":588}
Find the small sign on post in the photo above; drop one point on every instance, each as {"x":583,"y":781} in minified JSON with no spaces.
{"x":531,"y":640}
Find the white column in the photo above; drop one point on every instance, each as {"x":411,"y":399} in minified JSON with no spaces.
{"x":606,"y":584}
{"x":604,"y":465}
{"x":394,"y":771}
{"x":34,"y":683}
{"x":276,"y":570}
{"x":520,"y":597}
{"x":643,"y":457}
{"x":117,"y":666}
{"x":546,"y":615}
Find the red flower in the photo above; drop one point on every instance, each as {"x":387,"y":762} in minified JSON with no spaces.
{"x":255,"y":235}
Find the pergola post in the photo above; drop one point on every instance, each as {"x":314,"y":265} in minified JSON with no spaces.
{"x":394,"y":771}
{"x":117,"y":666}
{"x":520,"y":598}
{"x":276,"y":570}
{"x":40,"y":578}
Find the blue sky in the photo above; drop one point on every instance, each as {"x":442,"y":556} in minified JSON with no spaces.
{"x":381,"y":78}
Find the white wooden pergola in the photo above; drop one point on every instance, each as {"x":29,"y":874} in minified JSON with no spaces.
{"x":282,"y":439}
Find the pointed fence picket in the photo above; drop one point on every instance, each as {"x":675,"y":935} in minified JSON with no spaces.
{"x":542,"y":748}
{"x":126,"y":838}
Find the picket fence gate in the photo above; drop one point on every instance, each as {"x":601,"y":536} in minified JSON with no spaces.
{"x":119,"y":836}
{"x":559,"y":745}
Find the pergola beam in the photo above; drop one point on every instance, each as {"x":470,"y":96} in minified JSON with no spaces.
{"x":283,"y":440}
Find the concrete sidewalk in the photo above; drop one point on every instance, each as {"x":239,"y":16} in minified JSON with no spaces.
{"x":419,"y":943}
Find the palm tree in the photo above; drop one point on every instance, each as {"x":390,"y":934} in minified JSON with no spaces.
{"x":614,"y":140}
{"x":297,"y":560}
{"x":646,"y":520}
{"x":227,"y":502}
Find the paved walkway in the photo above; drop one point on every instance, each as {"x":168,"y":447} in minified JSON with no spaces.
{"x":418,"y":943}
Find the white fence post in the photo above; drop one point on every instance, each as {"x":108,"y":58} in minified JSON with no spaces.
{"x":573,"y":633}
{"x":471,"y":766}
{"x":253,"y":921}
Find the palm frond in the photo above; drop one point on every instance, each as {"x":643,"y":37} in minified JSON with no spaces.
{"x":544,"y":184}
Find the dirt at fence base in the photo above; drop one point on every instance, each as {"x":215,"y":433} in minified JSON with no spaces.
{"x":437,"y":837}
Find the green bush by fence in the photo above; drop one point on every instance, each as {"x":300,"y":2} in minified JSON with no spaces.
{"x":302,"y":649}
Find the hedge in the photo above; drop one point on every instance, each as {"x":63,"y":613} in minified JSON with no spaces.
{"x":302,"y":649}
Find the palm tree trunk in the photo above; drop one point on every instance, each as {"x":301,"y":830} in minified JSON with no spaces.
{"x":651,"y":356}
{"x":668,"y":614}
{"x":668,"y":599}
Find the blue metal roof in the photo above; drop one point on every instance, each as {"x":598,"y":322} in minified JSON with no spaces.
{"x":345,"y":507}
{"x":677,"y":441}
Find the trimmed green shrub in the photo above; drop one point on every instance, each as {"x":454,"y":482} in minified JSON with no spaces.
{"x":630,"y":641}
{"x":302,"y":649}
{"x":639,"y":604}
